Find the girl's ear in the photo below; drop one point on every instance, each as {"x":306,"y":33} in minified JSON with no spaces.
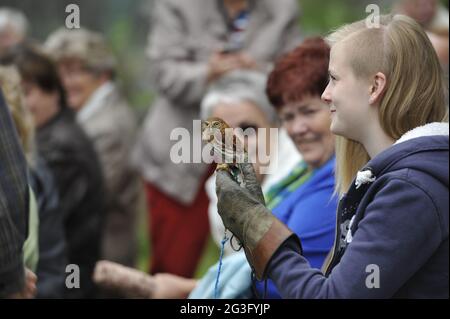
{"x":378,"y":88}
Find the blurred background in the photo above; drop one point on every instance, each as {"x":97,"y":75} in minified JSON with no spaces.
{"x":126,"y":26}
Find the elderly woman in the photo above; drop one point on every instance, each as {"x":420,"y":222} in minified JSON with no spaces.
{"x":86,"y":66}
{"x":13,"y":30}
{"x":239,"y":99}
{"x":304,"y":201}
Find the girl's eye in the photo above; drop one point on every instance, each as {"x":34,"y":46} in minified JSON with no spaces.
{"x":332,"y":78}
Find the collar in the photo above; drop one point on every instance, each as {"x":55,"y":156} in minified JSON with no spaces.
{"x":95,"y":102}
{"x":430,"y":129}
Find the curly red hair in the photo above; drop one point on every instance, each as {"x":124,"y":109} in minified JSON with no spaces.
{"x":299,"y":73}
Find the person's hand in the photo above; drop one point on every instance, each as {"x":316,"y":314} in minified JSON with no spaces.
{"x":222,"y":63}
{"x":29,"y":290}
{"x":242,"y":209}
{"x":251,"y":181}
{"x":126,"y":281}
{"x":243,"y":212}
{"x":168,"y":286}
{"x":247,"y":62}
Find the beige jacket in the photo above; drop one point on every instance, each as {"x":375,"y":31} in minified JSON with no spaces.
{"x":110,"y":124}
{"x":184,"y":34}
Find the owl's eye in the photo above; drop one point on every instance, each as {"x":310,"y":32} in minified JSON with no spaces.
{"x":216,"y":125}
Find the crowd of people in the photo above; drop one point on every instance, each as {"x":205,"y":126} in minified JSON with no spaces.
{"x":361,"y":176}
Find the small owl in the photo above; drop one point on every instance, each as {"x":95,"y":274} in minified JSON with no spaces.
{"x":229,"y":150}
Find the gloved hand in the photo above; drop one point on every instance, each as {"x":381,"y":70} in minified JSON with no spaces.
{"x":239,"y":206}
{"x":243,"y":212}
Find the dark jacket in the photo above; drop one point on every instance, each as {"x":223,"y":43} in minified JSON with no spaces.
{"x":77,"y":173}
{"x":392,"y":234}
{"x":14,"y":205}
{"x":52,"y":242}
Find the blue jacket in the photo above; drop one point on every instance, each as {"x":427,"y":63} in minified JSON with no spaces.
{"x":310,"y":212}
{"x":397,"y":242}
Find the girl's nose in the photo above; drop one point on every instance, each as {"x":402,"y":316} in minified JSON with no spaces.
{"x":326,"y":95}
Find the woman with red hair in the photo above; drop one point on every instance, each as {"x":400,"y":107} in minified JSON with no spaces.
{"x":304,"y":200}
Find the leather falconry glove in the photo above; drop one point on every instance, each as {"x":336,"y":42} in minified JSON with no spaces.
{"x":244,"y":213}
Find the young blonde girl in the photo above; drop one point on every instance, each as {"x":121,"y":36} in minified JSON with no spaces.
{"x":386,"y":97}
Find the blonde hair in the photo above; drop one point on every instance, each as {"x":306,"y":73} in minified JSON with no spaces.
{"x":415,"y":93}
{"x":10,"y":82}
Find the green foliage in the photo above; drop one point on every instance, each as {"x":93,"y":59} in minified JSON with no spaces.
{"x":319,"y":17}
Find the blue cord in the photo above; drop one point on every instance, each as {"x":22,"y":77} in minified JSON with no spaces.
{"x":222,"y":250}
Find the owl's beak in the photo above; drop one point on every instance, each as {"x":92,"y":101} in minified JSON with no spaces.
{"x":207,"y":135}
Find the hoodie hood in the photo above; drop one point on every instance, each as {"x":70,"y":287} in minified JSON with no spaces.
{"x":424,"y":148}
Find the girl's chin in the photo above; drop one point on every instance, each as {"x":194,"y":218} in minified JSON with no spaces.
{"x":334,"y":128}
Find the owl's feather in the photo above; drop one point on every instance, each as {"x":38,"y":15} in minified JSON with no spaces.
{"x":229,"y":155}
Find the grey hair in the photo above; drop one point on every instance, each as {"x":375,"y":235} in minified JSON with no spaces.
{"x":14,"y":19}
{"x":89,"y":46}
{"x":237,"y":87}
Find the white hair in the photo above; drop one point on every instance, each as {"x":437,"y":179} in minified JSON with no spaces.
{"x":13,"y":20}
{"x":237,"y":87}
